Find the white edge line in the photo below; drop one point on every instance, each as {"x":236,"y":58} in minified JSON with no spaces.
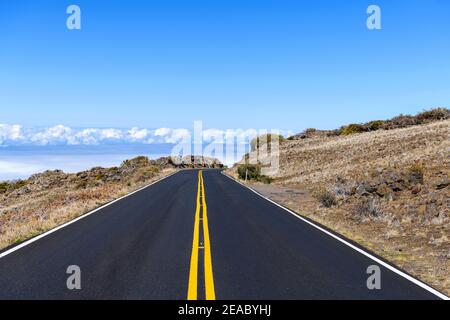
{"x":27,"y":242}
{"x":386,"y":265}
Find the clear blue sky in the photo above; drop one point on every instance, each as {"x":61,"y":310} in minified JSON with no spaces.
{"x":231,"y":63}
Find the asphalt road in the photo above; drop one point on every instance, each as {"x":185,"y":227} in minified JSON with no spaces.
{"x":145,"y":246}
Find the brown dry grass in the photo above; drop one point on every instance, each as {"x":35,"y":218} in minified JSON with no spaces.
{"x":319,"y":160}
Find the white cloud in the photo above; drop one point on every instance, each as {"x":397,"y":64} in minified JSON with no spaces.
{"x":113,"y":134}
{"x":179,"y":135}
{"x":52,"y":135}
{"x":172,"y":135}
{"x":10,"y":133}
{"x":86,"y":136}
{"x":138,"y":134}
{"x":161,"y":132}
{"x":60,"y":135}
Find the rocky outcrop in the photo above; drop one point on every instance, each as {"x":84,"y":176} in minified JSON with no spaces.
{"x":384,"y":182}
{"x":196,"y":162}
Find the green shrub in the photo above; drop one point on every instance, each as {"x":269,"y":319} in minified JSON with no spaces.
{"x":19,"y":184}
{"x":417,"y":168}
{"x":4,"y":186}
{"x":153,"y":169}
{"x":265,"y":179}
{"x":310,"y":131}
{"x":352,"y":129}
{"x":375,"y":125}
{"x":253,"y":172}
{"x":416,"y":173}
{"x":139,"y":161}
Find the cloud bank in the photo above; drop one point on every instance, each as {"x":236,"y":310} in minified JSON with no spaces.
{"x":15,"y":135}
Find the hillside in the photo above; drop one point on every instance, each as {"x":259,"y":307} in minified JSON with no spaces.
{"x":387,"y":189}
{"x":45,"y":200}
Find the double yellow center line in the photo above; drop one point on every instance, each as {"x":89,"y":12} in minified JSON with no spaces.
{"x":201,"y":218}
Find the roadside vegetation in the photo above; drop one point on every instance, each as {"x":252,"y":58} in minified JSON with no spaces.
{"x":398,"y":122}
{"x":6,"y":186}
{"x":251,"y":172}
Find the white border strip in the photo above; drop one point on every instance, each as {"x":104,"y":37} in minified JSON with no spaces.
{"x":25,"y":243}
{"x":384,"y":264}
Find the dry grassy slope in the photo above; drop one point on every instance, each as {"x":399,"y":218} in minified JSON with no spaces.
{"x":404,"y":172}
{"x":321,"y":160}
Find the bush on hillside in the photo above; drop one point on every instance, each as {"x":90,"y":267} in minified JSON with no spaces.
{"x":326,"y":198}
{"x":252,"y":172}
{"x":437,"y":114}
{"x":12,"y":185}
{"x":139,"y":161}
{"x":416,"y":173}
{"x":248,"y":171}
{"x":4,"y":186}
{"x":154,"y":169}
{"x":352,"y":129}
{"x":265,"y":179}
{"x":375,"y":125}
{"x":401,"y":121}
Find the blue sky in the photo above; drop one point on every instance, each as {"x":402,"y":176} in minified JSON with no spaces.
{"x":230,"y":63}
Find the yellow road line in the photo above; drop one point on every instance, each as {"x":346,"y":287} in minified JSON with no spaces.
{"x":209,"y":278}
{"x":193,"y":273}
{"x":208,"y":272}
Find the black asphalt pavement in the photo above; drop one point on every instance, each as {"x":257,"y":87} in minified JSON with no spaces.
{"x":140,"y":248}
